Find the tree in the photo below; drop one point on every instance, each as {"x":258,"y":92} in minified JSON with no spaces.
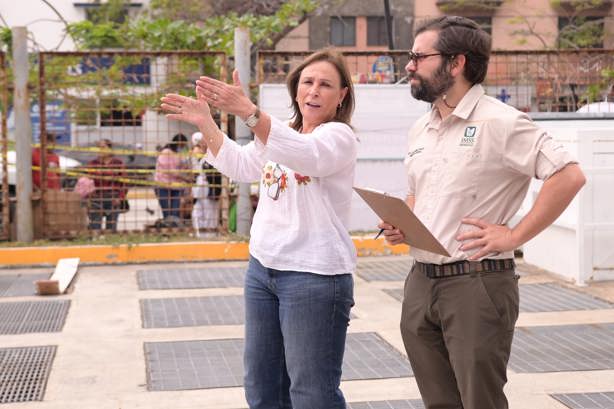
{"x":159,"y":30}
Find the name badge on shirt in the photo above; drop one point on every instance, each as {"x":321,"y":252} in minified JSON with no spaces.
{"x":469,"y":137}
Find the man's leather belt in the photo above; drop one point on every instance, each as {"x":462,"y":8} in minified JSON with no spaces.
{"x":465,"y":267}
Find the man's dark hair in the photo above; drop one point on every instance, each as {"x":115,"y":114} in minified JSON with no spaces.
{"x":460,"y":35}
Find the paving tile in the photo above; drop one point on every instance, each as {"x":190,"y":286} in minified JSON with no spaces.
{"x":388,"y":404}
{"x":603,"y":400}
{"x":563,"y":348}
{"x":185,"y":278}
{"x":192,"y":311}
{"x":32,"y":316}
{"x":24,"y":372}
{"x":19,"y":285}
{"x":219,"y":363}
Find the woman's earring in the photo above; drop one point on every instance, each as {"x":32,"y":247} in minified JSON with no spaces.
{"x":339,"y":106}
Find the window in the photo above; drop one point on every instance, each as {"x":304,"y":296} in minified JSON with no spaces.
{"x":484,"y":22}
{"x":376,"y":31}
{"x":112,"y":113}
{"x":343,"y":31}
{"x":580,"y":32}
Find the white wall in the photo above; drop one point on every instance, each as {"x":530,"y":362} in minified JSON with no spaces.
{"x":383,"y":115}
{"x":580,"y":243}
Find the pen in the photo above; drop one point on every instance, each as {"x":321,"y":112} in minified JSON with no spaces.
{"x":378,"y":234}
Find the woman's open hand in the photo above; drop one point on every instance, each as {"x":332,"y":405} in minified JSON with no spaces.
{"x":186,"y":109}
{"x":229,"y":98}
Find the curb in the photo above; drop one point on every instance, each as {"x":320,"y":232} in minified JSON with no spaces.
{"x":162,"y":252}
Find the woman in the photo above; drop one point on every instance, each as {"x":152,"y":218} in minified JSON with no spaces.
{"x":299,"y":285}
{"x":110,"y":192}
{"x":171,"y":172}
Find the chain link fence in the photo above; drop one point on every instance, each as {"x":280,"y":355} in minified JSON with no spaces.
{"x":537,"y":81}
{"x":106,"y":160}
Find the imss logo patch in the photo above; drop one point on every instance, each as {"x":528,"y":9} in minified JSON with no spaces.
{"x":469,"y":137}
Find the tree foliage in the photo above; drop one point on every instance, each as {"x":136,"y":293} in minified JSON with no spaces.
{"x":159,"y":30}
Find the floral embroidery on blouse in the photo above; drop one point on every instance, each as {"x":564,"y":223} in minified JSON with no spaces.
{"x":302,"y":180}
{"x":275,"y":178}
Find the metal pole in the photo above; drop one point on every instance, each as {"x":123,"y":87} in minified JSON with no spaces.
{"x":388,"y":24}
{"x":23,"y":135}
{"x":242,"y":132}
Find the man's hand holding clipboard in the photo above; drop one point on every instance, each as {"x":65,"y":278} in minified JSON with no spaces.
{"x":395,"y":211}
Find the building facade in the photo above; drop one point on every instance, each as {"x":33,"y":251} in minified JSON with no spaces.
{"x":353,"y":25}
{"x":532,"y":24}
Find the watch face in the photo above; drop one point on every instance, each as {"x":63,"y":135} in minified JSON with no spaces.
{"x":251,"y":121}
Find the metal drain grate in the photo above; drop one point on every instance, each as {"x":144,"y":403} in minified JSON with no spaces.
{"x":219,"y":363}
{"x":388,"y":404}
{"x":24,"y":373}
{"x":192,"y":311}
{"x":20,"y":284}
{"x":563,"y":348}
{"x":543,"y":298}
{"x":603,"y":400}
{"x":396,"y":293}
{"x":182,"y":278}
{"x":388,"y":270}
{"x":26,"y":316}
{"x":551,"y":297}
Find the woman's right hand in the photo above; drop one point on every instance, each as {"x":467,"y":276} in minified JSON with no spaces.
{"x":392,"y":235}
{"x":187,"y":109}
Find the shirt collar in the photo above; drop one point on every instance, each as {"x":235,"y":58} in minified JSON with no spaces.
{"x":462,"y":110}
{"x":469,"y":101}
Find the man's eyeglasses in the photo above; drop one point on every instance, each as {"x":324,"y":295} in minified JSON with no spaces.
{"x":417,"y":57}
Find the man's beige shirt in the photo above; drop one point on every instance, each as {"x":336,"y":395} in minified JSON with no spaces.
{"x":476,"y":163}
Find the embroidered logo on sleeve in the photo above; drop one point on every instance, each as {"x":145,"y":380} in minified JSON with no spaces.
{"x":469,"y":137}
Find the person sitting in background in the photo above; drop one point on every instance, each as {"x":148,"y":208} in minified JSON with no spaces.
{"x":106,"y":201}
{"x":171,"y":172}
{"x":53,"y":165}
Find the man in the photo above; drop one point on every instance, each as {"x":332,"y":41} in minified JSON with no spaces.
{"x":470,"y":161}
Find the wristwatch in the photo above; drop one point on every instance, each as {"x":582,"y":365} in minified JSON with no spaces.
{"x":252,"y":120}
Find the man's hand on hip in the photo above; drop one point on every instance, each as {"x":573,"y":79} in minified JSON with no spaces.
{"x":490,"y":238}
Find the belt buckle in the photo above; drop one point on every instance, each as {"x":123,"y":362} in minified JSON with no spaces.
{"x":475,"y":267}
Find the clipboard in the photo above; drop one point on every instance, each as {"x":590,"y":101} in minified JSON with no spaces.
{"x":395,"y":211}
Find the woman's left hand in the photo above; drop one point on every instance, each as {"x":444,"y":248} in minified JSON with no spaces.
{"x":186,"y":109}
{"x":228,"y":98}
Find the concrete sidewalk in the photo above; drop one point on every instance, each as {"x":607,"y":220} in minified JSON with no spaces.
{"x":129,"y":336}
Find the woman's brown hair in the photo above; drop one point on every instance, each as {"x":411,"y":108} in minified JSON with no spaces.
{"x":343,"y":113}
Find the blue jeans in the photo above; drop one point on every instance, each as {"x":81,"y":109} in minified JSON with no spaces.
{"x":170,"y":201}
{"x":295,"y":328}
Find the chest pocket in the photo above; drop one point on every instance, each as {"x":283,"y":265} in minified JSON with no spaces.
{"x":462,"y":171}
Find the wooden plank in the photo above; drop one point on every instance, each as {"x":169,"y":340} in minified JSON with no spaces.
{"x":59,"y":281}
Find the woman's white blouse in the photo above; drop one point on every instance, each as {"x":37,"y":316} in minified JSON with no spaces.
{"x":305,"y":193}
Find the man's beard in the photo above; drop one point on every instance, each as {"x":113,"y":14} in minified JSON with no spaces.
{"x":430,"y":90}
